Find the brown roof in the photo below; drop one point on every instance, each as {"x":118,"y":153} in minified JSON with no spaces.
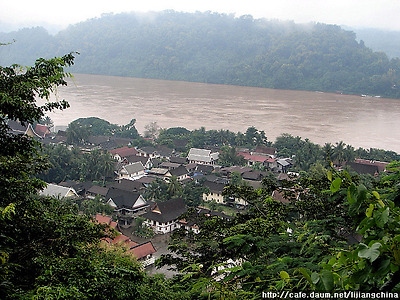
{"x":278,"y":196}
{"x":178,"y":171}
{"x":178,"y":160}
{"x":265,"y":150}
{"x":214,"y":187}
{"x":381,"y":166}
{"x":146,"y":179}
{"x":167,"y":211}
{"x":142,"y":250}
{"x":241,"y":170}
{"x":257,"y":158}
{"x":128,"y":185}
{"x":98,"y":190}
{"x":113,"y":224}
{"x":134,"y":158}
{"x":124,"y":151}
{"x":98,"y":139}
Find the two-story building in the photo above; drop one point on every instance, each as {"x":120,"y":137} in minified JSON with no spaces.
{"x":127,"y":205}
{"x":164,"y":216}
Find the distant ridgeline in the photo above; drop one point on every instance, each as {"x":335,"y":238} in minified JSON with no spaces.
{"x":215,"y":48}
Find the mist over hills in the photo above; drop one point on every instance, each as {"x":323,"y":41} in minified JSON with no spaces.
{"x":214,"y":48}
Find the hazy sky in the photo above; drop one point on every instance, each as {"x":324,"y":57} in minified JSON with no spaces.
{"x":356,"y":13}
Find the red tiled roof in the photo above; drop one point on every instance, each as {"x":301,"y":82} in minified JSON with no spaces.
{"x":113,"y":224}
{"x":142,"y":250}
{"x":120,"y":239}
{"x":248,"y":156}
{"x":103,"y":219}
{"x":42,"y":130}
{"x":130,"y":244}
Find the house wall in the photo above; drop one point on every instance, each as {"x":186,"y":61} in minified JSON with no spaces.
{"x":212,"y":162}
{"x":220,"y":199}
{"x":148,"y":260}
{"x":162,"y":228}
{"x":213,"y":196}
{"x":131,"y":176}
{"x":183,"y":177}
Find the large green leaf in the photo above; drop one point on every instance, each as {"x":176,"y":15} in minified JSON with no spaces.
{"x":335,"y":185}
{"x":371,"y":253}
{"x":369,"y":211}
{"x":381,"y":217}
{"x":326,"y":281}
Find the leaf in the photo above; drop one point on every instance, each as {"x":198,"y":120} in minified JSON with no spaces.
{"x":329,"y":175}
{"x":335,"y":186}
{"x":369,"y":211}
{"x":351,"y":193}
{"x":376,"y":194}
{"x":365,"y":225}
{"x":381,"y":218}
{"x":383,"y":267}
{"x":371,"y":253}
{"x":306,"y":274}
{"x":361,"y":194}
{"x":284,"y":275}
{"x":315,"y":277}
{"x":347,"y":175}
{"x":327,"y":281}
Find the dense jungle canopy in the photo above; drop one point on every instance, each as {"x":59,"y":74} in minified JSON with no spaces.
{"x":215,"y":48}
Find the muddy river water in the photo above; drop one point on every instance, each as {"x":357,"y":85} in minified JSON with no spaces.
{"x":321,"y":117}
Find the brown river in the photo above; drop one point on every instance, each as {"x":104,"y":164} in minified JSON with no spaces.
{"x":321,"y":117}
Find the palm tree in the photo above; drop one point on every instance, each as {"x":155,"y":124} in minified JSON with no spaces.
{"x":339,"y":153}
{"x":174,"y":186}
{"x":328,"y":149}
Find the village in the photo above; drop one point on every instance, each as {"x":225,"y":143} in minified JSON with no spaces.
{"x":143,"y":222}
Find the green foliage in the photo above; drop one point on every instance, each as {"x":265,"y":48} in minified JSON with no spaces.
{"x":78,"y":131}
{"x":300,"y":246}
{"x":229,"y":157}
{"x":129,"y":130}
{"x":91,"y":207}
{"x":218,"y":48}
{"x":307,"y":155}
{"x":157,"y":191}
{"x":47,"y":249}
{"x":72,"y":164}
{"x":141,"y":229}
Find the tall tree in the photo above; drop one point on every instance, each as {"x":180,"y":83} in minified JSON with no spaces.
{"x":47,"y":250}
{"x":174,"y":187}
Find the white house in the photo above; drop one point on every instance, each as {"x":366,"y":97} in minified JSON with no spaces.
{"x":164,"y":216}
{"x":132,"y":171}
{"x":58,"y":191}
{"x":202,"y":156}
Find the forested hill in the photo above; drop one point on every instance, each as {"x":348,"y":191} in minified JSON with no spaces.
{"x":215,"y":48}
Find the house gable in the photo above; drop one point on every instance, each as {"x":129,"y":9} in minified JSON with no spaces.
{"x":54,"y":190}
